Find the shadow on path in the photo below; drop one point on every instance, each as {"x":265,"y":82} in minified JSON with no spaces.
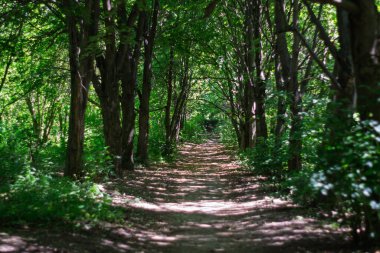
{"x":202,"y":203}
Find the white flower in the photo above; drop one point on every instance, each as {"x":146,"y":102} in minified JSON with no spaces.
{"x":367,"y":192}
{"x":374,"y":205}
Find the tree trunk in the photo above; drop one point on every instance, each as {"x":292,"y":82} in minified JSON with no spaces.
{"x":282,"y":69}
{"x":260,"y":89}
{"x":142,"y":146}
{"x":179,"y":107}
{"x":81,"y":74}
{"x":295,"y":135}
{"x":248,"y":129}
{"x":169,"y":101}
{"x":365,"y":42}
{"x":129,"y":81}
{"x":110,"y":109}
{"x":110,"y":65}
{"x":344,"y":97}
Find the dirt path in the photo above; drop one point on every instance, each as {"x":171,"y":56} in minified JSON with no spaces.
{"x":202,"y":203}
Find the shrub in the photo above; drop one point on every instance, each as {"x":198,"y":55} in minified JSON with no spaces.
{"x":266,"y":160}
{"x":37,"y":198}
{"x":194,"y":130}
{"x":351,"y":184}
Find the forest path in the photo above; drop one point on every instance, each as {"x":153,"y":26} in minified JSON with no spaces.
{"x":204,"y":202}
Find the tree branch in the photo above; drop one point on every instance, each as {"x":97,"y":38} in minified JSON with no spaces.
{"x":335,"y":83}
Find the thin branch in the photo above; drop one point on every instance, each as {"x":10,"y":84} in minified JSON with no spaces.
{"x":94,"y":103}
{"x":335,"y":83}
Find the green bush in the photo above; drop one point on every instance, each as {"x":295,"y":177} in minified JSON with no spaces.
{"x":156,"y":139}
{"x":266,"y":160}
{"x":226,"y":133}
{"x":37,"y":198}
{"x":13,"y":152}
{"x":193,"y":130}
{"x":350,"y":184}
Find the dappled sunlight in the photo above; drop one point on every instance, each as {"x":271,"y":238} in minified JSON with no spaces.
{"x":204,"y":202}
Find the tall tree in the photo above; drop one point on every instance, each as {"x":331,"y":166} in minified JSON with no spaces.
{"x":128,"y":86}
{"x":149,"y":39}
{"x":110,"y":65}
{"x":80,"y":31}
{"x":295,"y":144}
{"x":282,"y":69}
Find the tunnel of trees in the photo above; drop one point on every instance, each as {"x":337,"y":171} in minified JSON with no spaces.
{"x":91,"y":90}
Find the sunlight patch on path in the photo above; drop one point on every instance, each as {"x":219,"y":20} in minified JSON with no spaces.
{"x":211,"y":207}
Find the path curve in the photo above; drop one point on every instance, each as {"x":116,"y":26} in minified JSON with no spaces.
{"x":204,"y":202}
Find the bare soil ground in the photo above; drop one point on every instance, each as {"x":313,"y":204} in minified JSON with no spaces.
{"x":204,"y":202}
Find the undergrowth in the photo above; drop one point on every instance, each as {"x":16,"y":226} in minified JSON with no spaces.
{"x":35,"y":198}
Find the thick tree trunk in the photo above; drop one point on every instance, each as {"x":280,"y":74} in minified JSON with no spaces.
{"x":248,"y":126}
{"x":260,"y":118}
{"x":129,"y":81}
{"x":282,"y":69}
{"x":344,"y":97}
{"x":112,"y":129}
{"x":81,"y":75}
{"x":260,"y":89}
{"x":110,"y":65}
{"x":142,"y":146}
{"x":295,"y":135}
{"x":365,"y":41}
{"x":128,"y":109}
{"x":108,"y":91}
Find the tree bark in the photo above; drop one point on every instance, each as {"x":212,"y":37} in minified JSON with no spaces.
{"x":282,"y":69}
{"x":365,"y":42}
{"x":129,"y":81}
{"x":142,"y":146}
{"x":248,"y":125}
{"x":295,"y":135}
{"x":108,"y":88}
{"x":259,"y":89}
{"x":81,"y":67}
{"x":169,"y":101}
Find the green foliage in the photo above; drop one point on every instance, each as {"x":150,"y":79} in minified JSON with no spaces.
{"x":349,"y":178}
{"x":226,"y":133}
{"x":156,"y":138}
{"x":35,"y":102}
{"x":194,"y":129}
{"x":41,"y":198}
{"x":267,"y":159}
{"x":13,"y":153}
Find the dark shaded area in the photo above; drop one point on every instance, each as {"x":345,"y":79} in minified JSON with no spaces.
{"x":210,"y":125}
